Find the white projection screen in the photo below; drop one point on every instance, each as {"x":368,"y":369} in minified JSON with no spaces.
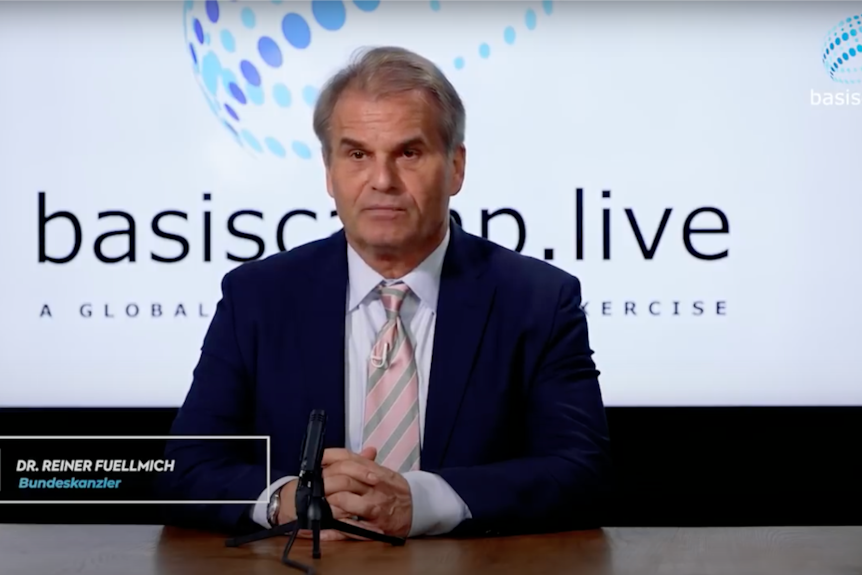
{"x":696,"y":165}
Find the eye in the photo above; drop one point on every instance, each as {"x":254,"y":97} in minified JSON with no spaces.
{"x":411,"y":153}
{"x":357,"y":154}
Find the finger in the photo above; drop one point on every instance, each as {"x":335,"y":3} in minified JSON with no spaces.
{"x":335,"y":454}
{"x":338,"y":483}
{"x":369,"y":453}
{"x":355,"y":505}
{"x":362,"y":470}
{"x":338,"y":512}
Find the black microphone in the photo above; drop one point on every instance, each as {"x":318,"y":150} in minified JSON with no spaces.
{"x":312,"y":510}
{"x":312,"y":447}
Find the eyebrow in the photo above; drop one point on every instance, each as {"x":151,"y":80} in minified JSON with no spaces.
{"x":351,"y":143}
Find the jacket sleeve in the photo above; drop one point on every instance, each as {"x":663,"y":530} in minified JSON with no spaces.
{"x":220,"y":402}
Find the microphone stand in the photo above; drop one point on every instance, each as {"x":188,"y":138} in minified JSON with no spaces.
{"x":312,"y":513}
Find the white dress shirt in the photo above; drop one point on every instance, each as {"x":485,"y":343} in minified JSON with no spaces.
{"x":437,"y":509}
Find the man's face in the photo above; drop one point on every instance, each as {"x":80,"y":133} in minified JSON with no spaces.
{"x":389,"y":172}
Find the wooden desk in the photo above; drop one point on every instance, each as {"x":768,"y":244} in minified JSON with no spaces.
{"x":148,"y":550}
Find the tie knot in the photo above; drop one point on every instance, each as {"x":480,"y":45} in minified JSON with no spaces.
{"x":392,"y":297}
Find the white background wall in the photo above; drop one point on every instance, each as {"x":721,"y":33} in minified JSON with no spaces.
{"x":676,"y":105}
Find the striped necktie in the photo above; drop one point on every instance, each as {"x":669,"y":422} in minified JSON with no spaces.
{"x":392,"y":394}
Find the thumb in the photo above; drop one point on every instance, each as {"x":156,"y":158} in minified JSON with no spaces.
{"x":369,"y":453}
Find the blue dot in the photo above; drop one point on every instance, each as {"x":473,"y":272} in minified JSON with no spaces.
{"x":251,"y":140}
{"x":530,"y":19}
{"x":852,"y":51}
{"x":309,"y":94}
{"x":212,"y":10}
{"x":250,"y":72}
{"x":846,"y":57}
{"x":210,"y":72}
{"x":459,"y":63}
{"x":859,"y":47}
{"x":227,"y":78}
{"x":227,"y":41}
{"x":852,"y":32}
{"x":848,"y":19}
{"x":231,"y":112}
{"x":831,"y":46}
{"x":281,"y":95}
{"x":839,"y":60}
{"x":484,"y":50}
{"x":248,"y":19}
{"x":509,"y":35}
{"x":547,"y":6}
{"x":367,"y":5}
{"x":296,"y":30}
{"x":845,"y":36}
{"x":269,"y":51}
{"x":435,"y":5}
{"x":194,"y":55}
{"x":856,"y":17}
{"x":254,"y":93}
{"x":274,"y":146}
{"x":199,"y":31}
{"x":237,"y":93}
{"x":837,"y":41}
{"x":330,"y":14}
{"x":301,"y":150}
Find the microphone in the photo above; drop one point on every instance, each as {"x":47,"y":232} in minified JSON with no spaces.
{"x":312,"y":510}
{"x":312,"y":447}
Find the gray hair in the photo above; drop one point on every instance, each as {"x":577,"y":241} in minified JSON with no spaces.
{"x":389,"y":70}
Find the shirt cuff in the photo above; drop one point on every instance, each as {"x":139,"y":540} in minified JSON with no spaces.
{"x":437,"y":508}
{"x":258,"y":510}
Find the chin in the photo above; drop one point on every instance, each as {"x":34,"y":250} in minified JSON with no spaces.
{"x":385,"y":239}
{"x":386,"y":242}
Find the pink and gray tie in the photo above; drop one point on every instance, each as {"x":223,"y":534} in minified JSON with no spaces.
{"x":392,"y":395}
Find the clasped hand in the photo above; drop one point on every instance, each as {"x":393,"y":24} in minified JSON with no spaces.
{"x":356,"y":486}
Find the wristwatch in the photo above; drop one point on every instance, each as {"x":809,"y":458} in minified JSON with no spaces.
{"x":273,"y":508}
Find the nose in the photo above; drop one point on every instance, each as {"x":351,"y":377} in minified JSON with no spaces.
{"x":383,"y":177}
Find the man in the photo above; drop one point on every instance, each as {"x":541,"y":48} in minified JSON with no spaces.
{"x":456,"y":375}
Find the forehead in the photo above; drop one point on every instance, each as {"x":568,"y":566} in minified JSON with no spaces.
{"x":359,"y":115}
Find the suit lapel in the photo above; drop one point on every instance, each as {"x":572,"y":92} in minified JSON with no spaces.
{"x":321,"y":338}
{"x":466,"y":296}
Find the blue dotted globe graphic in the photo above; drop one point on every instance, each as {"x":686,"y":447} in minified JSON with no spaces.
{"x":245,"y":58}
{"x":842,"y":51}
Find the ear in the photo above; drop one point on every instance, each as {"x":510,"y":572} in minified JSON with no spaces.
{"x":459,"y":166}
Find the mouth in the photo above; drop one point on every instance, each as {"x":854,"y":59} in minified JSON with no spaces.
{"x":384,"y":210}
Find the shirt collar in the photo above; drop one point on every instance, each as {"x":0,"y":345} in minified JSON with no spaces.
{"x":424,"y":280}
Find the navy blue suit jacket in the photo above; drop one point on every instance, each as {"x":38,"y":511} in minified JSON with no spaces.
{"x":514,"y":422}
